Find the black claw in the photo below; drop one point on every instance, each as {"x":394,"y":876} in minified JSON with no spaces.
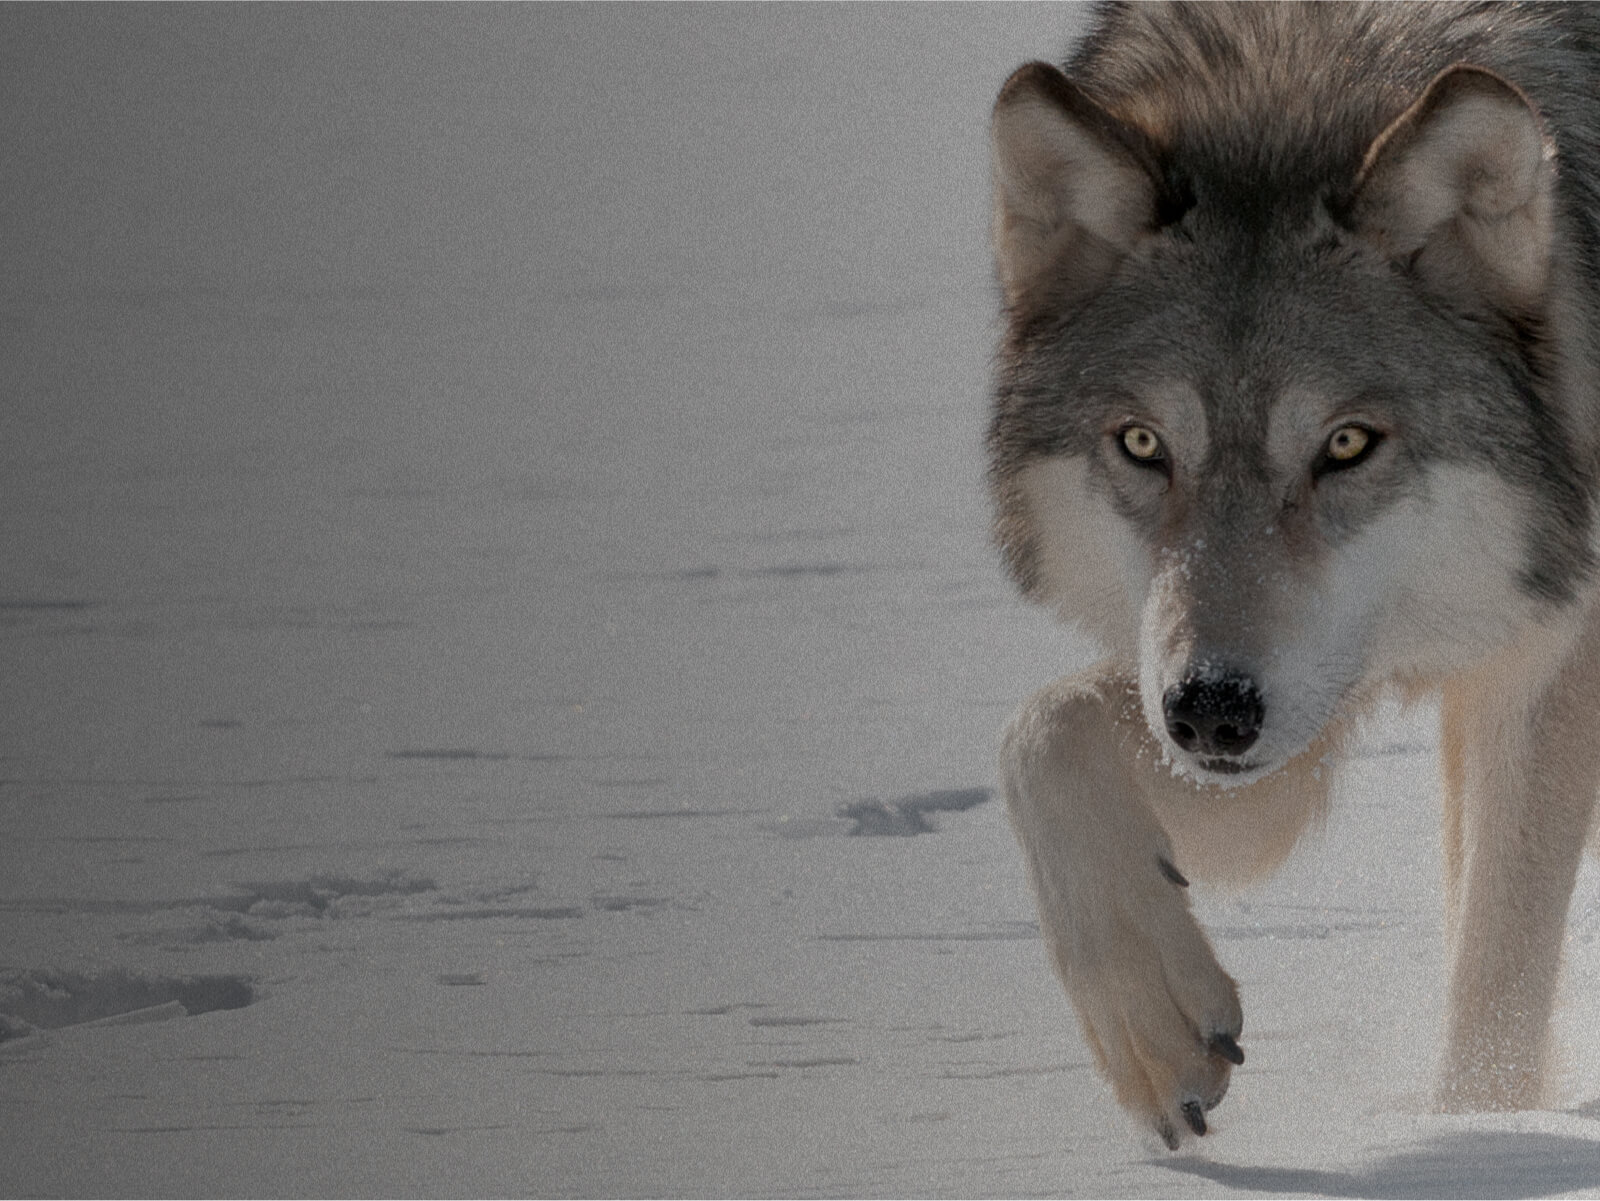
{"x":1195,"y":1116}
{"x":1171,"y":872}
{"x":1167,"y":1133}
{"x":1225,"y":1046}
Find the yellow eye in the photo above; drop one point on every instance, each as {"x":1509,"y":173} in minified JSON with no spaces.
{"x":1141,"y":443}
{"x":1348,"y":444}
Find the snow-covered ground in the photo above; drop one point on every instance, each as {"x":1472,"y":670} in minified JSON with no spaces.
{"x":500,"y":659}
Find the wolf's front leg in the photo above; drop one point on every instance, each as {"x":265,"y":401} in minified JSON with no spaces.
{"x":1161,"y":1016}
{"x":1109,"y":832}
{"x":1520,"y":767}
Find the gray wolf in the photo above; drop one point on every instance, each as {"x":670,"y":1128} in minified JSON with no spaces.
{"x":1298,"y":403}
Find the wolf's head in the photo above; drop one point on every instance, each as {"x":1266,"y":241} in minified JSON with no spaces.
{"x":1282,"y":422}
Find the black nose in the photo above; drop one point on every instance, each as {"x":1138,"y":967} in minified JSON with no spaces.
{"x":1214,"y":713}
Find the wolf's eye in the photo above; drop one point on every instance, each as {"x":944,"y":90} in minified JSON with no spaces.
{"x":1141,"y":444}
{"x":1347,"y":446}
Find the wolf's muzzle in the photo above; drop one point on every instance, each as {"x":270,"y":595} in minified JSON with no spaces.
{"x":1214,"y":713}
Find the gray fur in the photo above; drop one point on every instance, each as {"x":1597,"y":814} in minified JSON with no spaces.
{"x":1299,"y":399}
{"x":1256,"y":118}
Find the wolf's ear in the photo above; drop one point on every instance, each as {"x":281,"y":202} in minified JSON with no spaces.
{"x":1460,"y":186}
{"x":1071,"y":194}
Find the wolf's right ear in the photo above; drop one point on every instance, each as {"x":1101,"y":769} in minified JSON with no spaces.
{"x":1071,"y":192}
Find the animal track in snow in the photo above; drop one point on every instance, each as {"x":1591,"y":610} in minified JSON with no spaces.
{"x":909,"y":815}
{"x":51,"y":1000}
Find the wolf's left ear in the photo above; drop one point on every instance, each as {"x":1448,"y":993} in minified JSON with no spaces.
{"x":1460,"y":186}
{"x":1072,"y":191}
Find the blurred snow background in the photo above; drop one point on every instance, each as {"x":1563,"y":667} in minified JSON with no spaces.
{"x":500,"y":658}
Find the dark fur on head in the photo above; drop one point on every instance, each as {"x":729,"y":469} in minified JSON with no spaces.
{"x":1253,"y":124}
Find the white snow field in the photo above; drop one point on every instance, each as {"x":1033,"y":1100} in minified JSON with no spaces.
{"x":500,"y":658}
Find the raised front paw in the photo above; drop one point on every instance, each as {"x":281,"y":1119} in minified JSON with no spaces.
{"x":1161,"y":1015}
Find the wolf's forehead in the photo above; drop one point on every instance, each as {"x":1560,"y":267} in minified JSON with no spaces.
{"x":1180,"y":409}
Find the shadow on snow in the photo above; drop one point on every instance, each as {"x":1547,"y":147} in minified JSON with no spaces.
{"x":1467,"y":1164}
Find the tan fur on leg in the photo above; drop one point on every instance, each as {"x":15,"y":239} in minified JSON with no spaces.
{"x":1090,"y":798}
{"x":1521,"y":764}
